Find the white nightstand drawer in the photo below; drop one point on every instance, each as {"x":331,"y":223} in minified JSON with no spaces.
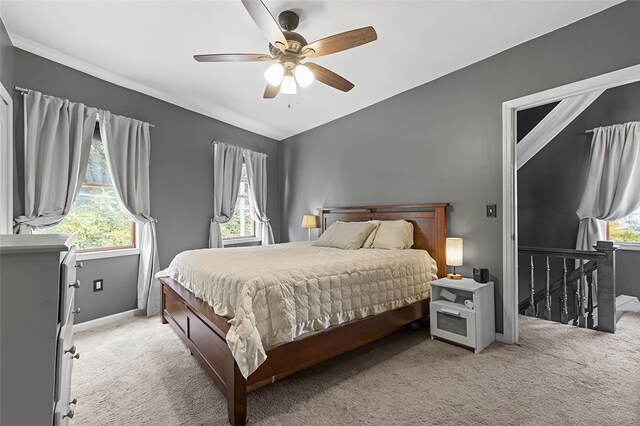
{"x":453,"y":322}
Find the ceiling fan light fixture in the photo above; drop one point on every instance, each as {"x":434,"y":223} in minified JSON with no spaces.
{"x":274,"y":74}
{"x":304,"y":76}
{"x":288,"y":85}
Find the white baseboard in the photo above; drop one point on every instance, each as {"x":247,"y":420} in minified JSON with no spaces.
{"x":88,"y":325}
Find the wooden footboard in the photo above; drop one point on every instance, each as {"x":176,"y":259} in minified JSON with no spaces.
{"x":204,"y":334}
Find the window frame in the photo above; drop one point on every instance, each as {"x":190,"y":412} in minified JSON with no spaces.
{"x":109,"y":251}
{"x":625,"y":245}
{"x":255,"y":225}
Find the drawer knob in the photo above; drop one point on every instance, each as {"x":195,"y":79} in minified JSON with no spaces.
{"x":71,"y":350}
{"x":79,"y":265}
{"x":76,"y":284}
{"x":69,"y":414}
{"x":74,"y":401}
{"x":76,"y":311}
{"x":76,"y":356}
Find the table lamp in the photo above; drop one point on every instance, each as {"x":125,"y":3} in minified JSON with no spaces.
{"x":309,"y":221}
{"x":454,"y":256}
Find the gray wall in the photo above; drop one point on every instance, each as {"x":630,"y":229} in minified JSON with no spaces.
{"x":181,"y":171}
{"x":443,"y":141}
{"x":550,"y":185}
{"x":6,"y":58}
{"x":628,"y":272}
{"x":119,"y":293}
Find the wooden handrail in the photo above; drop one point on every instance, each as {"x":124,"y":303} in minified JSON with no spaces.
{"x":562,"y":253}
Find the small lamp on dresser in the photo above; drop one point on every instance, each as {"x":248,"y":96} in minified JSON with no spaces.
{"x":310,"y":222}
{"x":454,"y":256}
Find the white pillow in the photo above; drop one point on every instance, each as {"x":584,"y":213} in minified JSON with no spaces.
{"x":393,"y":234}
{"x":369,"y":241}
{"x":345,"y":235}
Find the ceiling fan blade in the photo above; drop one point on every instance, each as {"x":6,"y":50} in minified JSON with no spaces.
{"x":267,"y":24}
{"x":339,"y":42}
{"x":271,"y":91}
{"x":233,"y":57}
{"x":329,"y":77}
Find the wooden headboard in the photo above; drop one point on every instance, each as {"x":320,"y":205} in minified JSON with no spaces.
{"x":429,"y":224}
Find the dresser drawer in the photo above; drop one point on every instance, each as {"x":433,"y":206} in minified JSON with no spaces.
{"x":70,"y":310}
{"x":68,"y":282}
{"x":66,"y":353}
{"x":453,"y":322}
{"x":68,"y":307}
{"x":65,"y":406}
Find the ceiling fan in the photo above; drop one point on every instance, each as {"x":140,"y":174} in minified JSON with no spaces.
{"x":289,"y":48}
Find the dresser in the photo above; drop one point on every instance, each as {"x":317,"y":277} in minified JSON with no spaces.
{"x":37,"y":352}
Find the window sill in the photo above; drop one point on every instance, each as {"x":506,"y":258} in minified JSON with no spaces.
{"x":91,"y":255}
{"x":628,"y":246}
{"x":239,"y":241}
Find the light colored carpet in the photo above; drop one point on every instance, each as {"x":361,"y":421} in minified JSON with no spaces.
{"x":139,"y":373}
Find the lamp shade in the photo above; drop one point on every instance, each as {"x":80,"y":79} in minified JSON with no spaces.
{"x":309,"y":221}
{"x":288,"y":85}
{"x":304,"y":76}
{"x":274,"y":74}
{"x":454,"y":251}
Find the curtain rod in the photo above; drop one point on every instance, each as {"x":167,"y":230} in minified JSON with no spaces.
{"x":591,"y":130}
{"x":23,"y":91}
{"x":217,"y":142}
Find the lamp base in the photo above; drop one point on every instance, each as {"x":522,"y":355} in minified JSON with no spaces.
{"x":454,"y":276}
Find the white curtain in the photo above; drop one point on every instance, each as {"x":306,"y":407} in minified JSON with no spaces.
{"x":552,"y":124}
{"x":256,"y":164}
{"x":227,"y":171}
{"x":612,"y":189}
{"x":127,"y":147}
{"x":57,"y":140}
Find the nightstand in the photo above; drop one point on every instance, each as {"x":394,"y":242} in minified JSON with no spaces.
{"x":452,"y":320}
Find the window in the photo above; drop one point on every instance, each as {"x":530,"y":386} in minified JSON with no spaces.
{"x":241,"y":226}
{"x":95,"y":217}
{"x":626,"y":230}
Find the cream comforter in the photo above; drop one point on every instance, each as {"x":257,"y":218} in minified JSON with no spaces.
{"x":273,"y":294}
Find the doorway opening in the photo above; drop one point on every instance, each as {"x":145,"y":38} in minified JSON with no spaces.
{"x":510,"y":110}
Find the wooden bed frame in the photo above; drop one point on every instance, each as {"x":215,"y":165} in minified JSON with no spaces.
{"x":204,"y":332}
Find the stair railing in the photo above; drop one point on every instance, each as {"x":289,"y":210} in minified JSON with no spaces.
{"x":592,"y":285}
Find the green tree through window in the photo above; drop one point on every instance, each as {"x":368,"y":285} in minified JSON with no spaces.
{"x":95,"y":217}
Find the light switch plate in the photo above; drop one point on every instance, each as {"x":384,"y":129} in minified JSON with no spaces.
{"x":492,"y":210}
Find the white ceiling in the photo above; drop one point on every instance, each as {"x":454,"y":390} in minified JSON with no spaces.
{"x":148,"y":46}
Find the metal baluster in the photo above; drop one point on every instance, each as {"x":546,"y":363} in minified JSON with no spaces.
{"x":547,"y":306}
{"x":582,"y":287}
{"x":531,"y":309}
{"x":564,"y":309}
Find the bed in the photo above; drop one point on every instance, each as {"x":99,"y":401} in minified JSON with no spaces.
{"x":248,"y":351}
